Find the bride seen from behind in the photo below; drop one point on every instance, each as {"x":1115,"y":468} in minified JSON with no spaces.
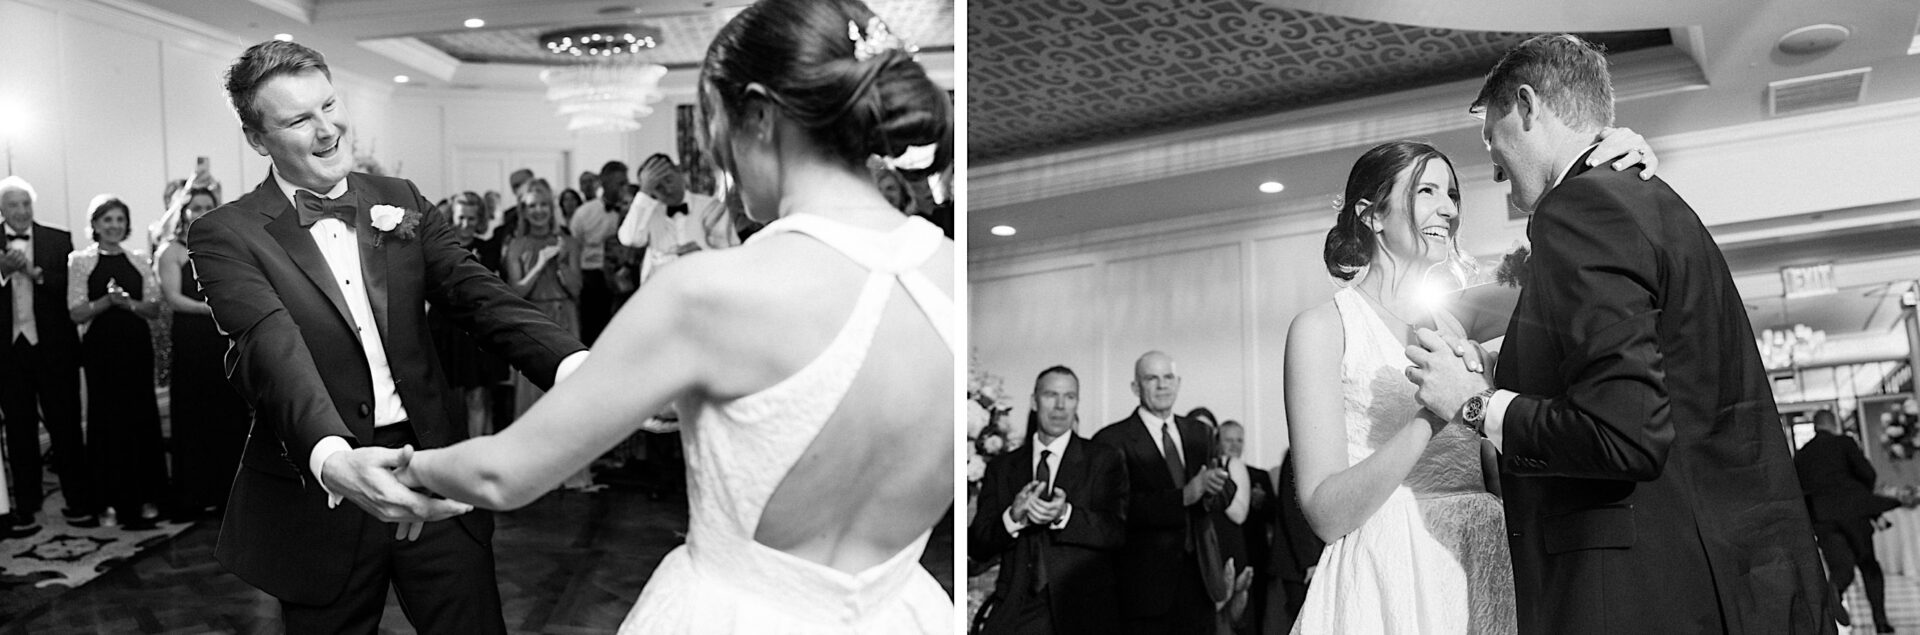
{"x":1408,"y":504}
{"x":818,"y":357}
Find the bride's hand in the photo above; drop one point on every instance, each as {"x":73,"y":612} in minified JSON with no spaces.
{"x":405,"y":473}
{"x":1625,"y":148}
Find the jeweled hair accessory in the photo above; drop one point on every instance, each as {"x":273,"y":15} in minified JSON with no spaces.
{"x":878,"y":39}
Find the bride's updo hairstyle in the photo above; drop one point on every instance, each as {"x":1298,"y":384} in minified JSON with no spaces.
{"x":875,"y":101}
{"x":1351,"y":243}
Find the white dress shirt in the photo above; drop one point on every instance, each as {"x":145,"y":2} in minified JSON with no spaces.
{"x":1496,"y":415}
{"x":1237,"y":508}
{"x":1154,"y":424}
{"x":20,"y":283}
{"x":593,"y":224}
{"x":342,"y":252}
{"x":706,"y":224}
{"x":1054,"y":450}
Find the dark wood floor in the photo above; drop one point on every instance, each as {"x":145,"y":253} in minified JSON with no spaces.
{"x":569,"y":563}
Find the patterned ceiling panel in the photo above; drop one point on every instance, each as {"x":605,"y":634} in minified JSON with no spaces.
{"x":683,"y":42}
{"x":1048,"y":75}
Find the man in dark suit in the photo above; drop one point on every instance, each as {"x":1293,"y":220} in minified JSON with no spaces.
{"x":1171,"y":487}
{"x":1054,"y":512}
{"x":40,"y":363}
{"x":1647,"y":480}
{"x":320,"y":277}
{"x":1296,"y":552}
{"x":1839,"y":481}
{"x":1245,"y":519}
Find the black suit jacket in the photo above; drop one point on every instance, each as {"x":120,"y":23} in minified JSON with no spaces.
{"x":296,"y":359}
{"x":1158,"y":523}
{"x":1259,"y":524}
{"x":1078,"y":558}
{"x":1648,"y":482}
{"x":59,"y":340}
{"x":1295,"y":546}
{"x":1838,"y":480}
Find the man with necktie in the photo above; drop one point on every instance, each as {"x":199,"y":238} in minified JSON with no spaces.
{"x":1057,"y":532}
{"x":321,"y":277}
{"x":40,"y":363}
{"x":1171,"y":487}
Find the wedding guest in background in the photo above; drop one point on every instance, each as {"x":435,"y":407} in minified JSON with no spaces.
{"x":1171,"y":487}
{"x":1296,"y":553}
{"x":111,"y":294}
{"x":669,"y":221}
{"x":894,"y":187}
{"x":40,"y":366}
{"x":570,"y":201}
{"x":1242,"y":523}
{"x":471,"y":370}
{"x":1838,"y":481}
{"x":209,"y":419}
{"x":593,"y":225}
{"x":543,"y":266}
{"x":510,"y":217}
{"x":589,"y":186}
{"x":1054,"y":513}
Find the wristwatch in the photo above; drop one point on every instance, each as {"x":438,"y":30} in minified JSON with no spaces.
{"x":1474,"y":412}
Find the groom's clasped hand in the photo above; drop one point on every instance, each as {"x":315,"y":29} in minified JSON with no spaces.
{"x":1447,"y":369}
{"x":376,"y":480}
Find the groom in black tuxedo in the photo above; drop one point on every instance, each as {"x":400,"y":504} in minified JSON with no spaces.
{"x":1647,"y":479}
{"x":320,"y":277}
{"x":1054,"y":512}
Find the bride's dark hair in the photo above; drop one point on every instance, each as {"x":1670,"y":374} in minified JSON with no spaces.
{"x":802,"y":53}
{"x":1351,"y":242}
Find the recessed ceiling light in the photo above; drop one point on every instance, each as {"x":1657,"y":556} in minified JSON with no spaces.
{"x":475,"y":23}
{"x":401,"y":79}
{"x":284,"y":37}
{"x":1003,"y":230}
{"x":1272,"y":187}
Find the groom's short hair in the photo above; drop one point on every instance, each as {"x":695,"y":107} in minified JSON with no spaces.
{"x":1568,"y":73}
{"x":262,"y":62}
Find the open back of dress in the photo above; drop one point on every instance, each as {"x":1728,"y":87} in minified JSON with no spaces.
{"x":741,"y":452}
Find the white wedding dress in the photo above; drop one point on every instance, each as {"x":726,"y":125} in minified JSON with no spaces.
{"x":738,"y":451}
{"x":1433,"y":560}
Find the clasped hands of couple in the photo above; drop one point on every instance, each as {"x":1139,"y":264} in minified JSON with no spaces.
{"x":377,"y":480}
{"x":1448,"y":369}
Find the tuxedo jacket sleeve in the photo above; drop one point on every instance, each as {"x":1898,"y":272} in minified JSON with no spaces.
{"x":1612,"y":420}
{"x":987,"y":537}
{"x":1099,"y":519}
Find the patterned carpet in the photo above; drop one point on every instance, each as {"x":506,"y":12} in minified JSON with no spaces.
{"x":38,"y":568}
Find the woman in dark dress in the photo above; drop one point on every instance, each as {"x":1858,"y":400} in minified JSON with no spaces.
{"x":111,"y":294}
{"x":475,"y":372}
{"x":210,"y":421}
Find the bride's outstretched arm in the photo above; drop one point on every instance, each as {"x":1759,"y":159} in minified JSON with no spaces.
{"x":1335,"y":497}
{"x":653,"y":351}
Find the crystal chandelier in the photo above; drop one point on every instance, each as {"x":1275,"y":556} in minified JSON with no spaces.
{"x":1787,"y":348}
{"x":604,"y":97}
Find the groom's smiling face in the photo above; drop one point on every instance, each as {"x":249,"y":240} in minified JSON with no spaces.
{"x":304,"y":129}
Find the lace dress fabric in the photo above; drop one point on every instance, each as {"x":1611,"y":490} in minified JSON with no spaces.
{"x":738,"y":451}
{"x":1434,"y":557}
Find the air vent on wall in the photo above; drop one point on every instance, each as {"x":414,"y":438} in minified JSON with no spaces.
{"x":1816,"y":92}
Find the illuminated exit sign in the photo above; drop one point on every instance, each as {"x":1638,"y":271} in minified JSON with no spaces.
{"x":1809,"y":280}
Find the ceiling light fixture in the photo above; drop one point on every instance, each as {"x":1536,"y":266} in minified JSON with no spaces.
{"x":401,"y":79}
{"x":601,"y":41}
{"x":609,"y":96}
{"x":1003,"y":230}
{"x":475,"y":23}
{"x":1272,"y":187}
{"x":284,"y":37}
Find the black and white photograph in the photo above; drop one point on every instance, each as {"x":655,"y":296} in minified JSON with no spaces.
{"x":1297,"y":316}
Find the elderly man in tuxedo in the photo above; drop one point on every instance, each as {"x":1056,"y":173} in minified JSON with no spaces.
{"x":321,"y":277}
{"x":1646,"y":477}
{"x":1168,"y":581}
{"x":1054,"y":512}
{"x":40,"y":363}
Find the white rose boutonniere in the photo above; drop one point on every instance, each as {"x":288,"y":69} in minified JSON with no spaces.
{"x":394,"y":220}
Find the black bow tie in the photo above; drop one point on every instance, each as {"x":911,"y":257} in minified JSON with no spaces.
{"x":23,"y":236}
{"x":676,"y":210}
{"x":313,"y":208}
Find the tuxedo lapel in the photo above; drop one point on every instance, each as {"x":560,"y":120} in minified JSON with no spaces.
{"x":301,"y":247}
{"x":373,"y":258}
